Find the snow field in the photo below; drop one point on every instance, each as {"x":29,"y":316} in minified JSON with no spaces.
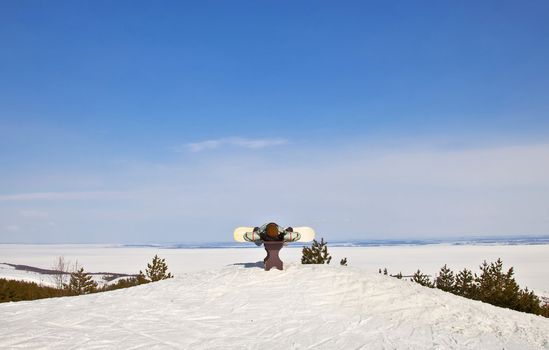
{"x":530,"y":261}
{"x":302,"y":307}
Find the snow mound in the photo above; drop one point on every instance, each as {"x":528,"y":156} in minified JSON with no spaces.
{"x":244,"y":307}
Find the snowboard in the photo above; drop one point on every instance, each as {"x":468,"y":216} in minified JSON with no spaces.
{"x":239,"y":233}
{"x":307,"y":233}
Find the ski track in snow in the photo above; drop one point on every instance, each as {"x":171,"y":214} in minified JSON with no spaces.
{"x":302,"y":307}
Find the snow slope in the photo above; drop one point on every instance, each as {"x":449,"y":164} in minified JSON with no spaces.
{"x":244,"y":307}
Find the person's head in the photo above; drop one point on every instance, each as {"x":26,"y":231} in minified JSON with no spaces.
{"x":272,"y":230}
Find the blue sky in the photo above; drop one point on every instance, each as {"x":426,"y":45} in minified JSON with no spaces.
{"x":136,"y":121}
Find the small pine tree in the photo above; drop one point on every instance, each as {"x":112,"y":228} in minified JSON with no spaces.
{"x":157,"y":270}
{"x":343,"y":262}
{"x":496,"y":287}
{"x":141,"y":279}
{"x":464,"y":284}
{"x":422,"y":279}
{"x":121,"y":283}
{"x":445,"y":279}
{"x":385,"y":272}
{"x":7,"y":291}
{"x":316,"y":254}
{"x":529,"y":302}
{"x":544,"y":310}
{"x":81,"y":283}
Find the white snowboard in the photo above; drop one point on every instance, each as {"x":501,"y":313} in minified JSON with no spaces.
{"x":307,"y":233}
{"x":239,"y":233}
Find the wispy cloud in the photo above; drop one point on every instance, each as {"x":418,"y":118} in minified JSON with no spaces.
{"x":362,"y":191}
{"x":36,"y":196}
{"x":233,"y":142}
{"x":34,"y":214}
{"x":12,"y":228}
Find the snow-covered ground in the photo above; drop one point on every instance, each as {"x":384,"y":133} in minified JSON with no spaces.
{"x":530,"y":261}
{"x":244,"y":307}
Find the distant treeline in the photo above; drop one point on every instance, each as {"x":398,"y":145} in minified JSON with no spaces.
{"x":12,"y":290}
{"x":493,"y":286}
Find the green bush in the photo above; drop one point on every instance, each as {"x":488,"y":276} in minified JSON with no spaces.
{"x":446,"y":280}
{"x":465,"y":284}
{"x":499,"y":288}
{"x":12,"y":290}
{"x":422,"y":279}
{"x":317,"y":253}
{"x":122,"y":283}
{"x":157,"y":270}
{"x":81,"y":283}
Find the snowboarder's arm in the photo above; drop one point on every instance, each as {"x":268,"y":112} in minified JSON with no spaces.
{"x":291,"y":236}
{"x":252,"y":237}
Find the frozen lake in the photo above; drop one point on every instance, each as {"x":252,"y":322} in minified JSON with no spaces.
{"x":531,"y":262}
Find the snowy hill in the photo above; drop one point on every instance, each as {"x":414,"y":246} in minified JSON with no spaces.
{"x":302,"y":307}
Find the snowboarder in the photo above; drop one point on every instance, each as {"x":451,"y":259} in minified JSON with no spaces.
{"x":271,"y":232}
{"x":273,"y":238}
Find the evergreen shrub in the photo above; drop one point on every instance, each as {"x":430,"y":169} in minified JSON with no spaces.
{"x":317,"y":253}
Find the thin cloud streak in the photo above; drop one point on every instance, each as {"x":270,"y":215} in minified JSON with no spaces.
{"x":233,"y":142}
{"x":34,"y":214}
{"x":37,"y":196}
